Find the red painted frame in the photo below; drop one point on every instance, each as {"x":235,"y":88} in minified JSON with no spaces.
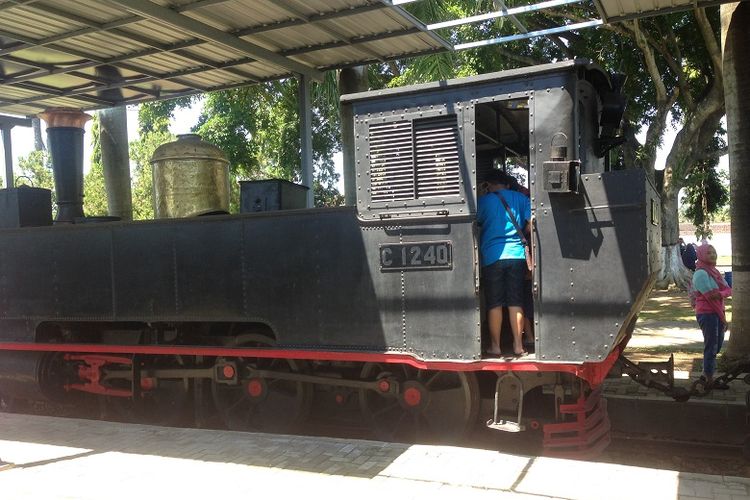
{"x":592,"y":372}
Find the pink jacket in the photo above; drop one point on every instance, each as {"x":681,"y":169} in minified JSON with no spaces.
{"x":705,"y":306}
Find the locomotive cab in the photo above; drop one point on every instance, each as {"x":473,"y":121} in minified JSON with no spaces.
{"x":422,"y":154}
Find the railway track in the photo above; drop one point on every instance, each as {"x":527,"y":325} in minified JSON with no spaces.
{"x":626,"y":449}
{"x":684,"y":456}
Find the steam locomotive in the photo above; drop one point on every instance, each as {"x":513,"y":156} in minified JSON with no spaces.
{"x":260,"y":314}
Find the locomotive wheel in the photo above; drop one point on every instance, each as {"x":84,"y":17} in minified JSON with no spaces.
{"x":163,"y":402}
{"x":262,"y":404}
{"x":431,"y":406}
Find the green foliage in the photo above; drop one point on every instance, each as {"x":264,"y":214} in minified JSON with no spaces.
{"x":153,"y":128}
{"x":36,"y":171}
{"x":155,"y":116}
{"x":706,"y":194}
{"x":141,"y":152}
{"x":258,"y":128}
{"x":95,"y":194}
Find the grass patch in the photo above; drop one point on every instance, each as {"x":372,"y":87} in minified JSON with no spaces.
{"x":669,"y":349}
{"x":667,"y":310}
{"x":673,"y":305}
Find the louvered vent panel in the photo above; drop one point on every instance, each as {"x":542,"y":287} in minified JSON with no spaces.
{"x":391,"y":161}
{"x":436,"y":145}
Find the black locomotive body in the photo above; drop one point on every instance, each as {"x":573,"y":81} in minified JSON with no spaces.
{"x":381,"y":290}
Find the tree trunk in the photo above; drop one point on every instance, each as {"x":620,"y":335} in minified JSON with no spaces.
{"x":113,"y":136}
{"x":735,"y":36}
{"x":672,"y":269}
{"x":350,"y":80}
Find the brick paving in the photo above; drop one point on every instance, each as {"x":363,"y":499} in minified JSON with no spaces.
{"x":56,"y":458}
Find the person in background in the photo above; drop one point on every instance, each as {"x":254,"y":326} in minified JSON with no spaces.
{"x":709,"y":291}
{"x":503,"y":257}
{"x":689,"y":256}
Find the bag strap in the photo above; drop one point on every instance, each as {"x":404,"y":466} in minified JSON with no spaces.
{"x":512,"y":219}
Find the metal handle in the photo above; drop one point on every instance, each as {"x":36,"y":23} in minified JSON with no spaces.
{"x":411,"y":215}
{"x":535,"y":286}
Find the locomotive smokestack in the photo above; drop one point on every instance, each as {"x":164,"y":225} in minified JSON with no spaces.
{"x":65,"y":142}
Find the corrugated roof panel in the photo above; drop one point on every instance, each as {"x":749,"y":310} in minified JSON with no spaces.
{"x":15,"y":93}
{"x":61,"y":81}
{"x":394,"y":47}
{"x":158,"y":31}
{"x":213,"y":52}
{"x":30,"y":24}
{"x":230,"y":16}
{"x":217,"y":78}
{"x":301,"y":32}
{"x":164,"y":62}
{"x":96,"y":46}
{"x":298,"y":37}
{"x":615,"y":10}
{"x":262,"y":70}
{"x":100,"y":12}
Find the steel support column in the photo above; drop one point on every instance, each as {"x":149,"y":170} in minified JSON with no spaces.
{"x":305,"y":134}
{"x":8,"y":158}
{"x":113,"y":136}
{"x":6,"y":124}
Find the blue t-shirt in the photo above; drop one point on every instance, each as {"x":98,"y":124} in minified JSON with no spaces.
{"x":498,"y":238}
{"x":703,"y":282}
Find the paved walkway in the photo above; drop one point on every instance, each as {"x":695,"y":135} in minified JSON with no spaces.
{"x":57,"y":458}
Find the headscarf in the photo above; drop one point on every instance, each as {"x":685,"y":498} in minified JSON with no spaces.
{"x":702,"y":263}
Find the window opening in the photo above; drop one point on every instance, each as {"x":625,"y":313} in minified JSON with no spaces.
{"x":502,"y":138}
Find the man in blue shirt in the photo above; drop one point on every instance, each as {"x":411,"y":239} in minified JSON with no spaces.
{"x":503,"y":257}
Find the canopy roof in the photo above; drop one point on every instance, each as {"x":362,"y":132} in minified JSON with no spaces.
{"x":98,"y":53}
{"x":613,"y":11}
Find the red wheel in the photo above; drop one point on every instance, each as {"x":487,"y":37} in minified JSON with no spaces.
{"x":163,"y":401}
{"x":431,"y":406}
{"x":257,"y":403}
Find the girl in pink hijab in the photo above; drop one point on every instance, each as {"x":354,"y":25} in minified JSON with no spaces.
{"x":710,"y":290}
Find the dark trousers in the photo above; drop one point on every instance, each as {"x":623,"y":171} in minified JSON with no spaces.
{"x":713,"y":338}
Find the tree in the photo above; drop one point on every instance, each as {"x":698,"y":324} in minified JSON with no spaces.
{"x":257,"y":127}
{"x":153,"y":129}
{"x":95,"y":196}
{"x":705,"y":194}
{"x":735,"y":19}
{"x":36,"y":171}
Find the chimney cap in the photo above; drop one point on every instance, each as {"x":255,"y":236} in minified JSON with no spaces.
{"x":64,"y":117}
